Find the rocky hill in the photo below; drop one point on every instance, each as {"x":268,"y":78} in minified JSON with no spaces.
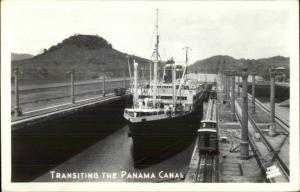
{"x":89,"y":55}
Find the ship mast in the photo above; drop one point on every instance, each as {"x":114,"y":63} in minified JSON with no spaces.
{"x":150,"y":79}
{"x":155,"y":61}
{"x":183,"y":78}
{"x":187,"y":57}
{"x":135,"y":96}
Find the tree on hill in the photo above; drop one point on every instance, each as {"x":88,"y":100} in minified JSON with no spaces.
{"x":89,"y":55}
{"x":90,"y":42}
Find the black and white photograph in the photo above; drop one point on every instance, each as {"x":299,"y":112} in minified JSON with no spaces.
{"x":150,"y":95}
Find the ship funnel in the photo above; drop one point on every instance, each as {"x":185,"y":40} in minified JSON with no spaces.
{"x":169,"y":71}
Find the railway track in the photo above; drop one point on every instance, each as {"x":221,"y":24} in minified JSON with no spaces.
{"x":275,"y":157}
{"x":274,"y":152}
{"x":206,"y":168}
{"x":284,"y":124}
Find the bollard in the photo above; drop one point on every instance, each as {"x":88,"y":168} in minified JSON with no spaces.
{"x":233,"y":96}
{"x":253,"y":93}
{"x":72,"y":86}
{"x":17,"y":110}
{"x":103,"y":84}
{"x":244,"y":139}
{"x":272,"y":128}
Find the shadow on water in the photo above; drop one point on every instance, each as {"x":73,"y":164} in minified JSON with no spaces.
{"x":159,"y":151}
{"x":38,"y":148}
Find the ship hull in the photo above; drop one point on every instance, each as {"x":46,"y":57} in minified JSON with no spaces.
{"x":154,"y":137}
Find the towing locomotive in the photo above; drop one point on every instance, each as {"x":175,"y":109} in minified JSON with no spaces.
{"x":208,"y":132}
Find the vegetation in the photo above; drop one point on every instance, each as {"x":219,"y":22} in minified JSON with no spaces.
{"x":89,"y":42}
{"x":221,"y":63}
{"x":20,"y":56}
{"x":88,"y":55}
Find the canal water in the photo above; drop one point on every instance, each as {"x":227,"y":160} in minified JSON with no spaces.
{"x":110,"y":160}
{"x":93,"y":146}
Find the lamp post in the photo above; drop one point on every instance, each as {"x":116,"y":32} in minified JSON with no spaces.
{"x":231,"y":79}
{"x":238,"y":87}
{"x":103,"y":83}
{"x":253,"y":92}
{"x":233,"y":95}
{"x":226,"y":87}
{"x":17,"y":110}
{"x":125,"y":71}
{"x":244,"y":138}
{"x":272,"y":127}
{"x":72,"y":86}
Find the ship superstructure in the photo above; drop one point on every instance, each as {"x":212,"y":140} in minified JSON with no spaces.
{"x":169,"y":106}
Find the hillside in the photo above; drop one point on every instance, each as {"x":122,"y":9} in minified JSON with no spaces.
{"x":215,"y":64}
{"x":221,"y":63}
{"x":20,"y":56}
{"x":89,"y":55}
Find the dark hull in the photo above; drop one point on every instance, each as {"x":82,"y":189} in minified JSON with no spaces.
{"x":181,"y":126}
{"x":155,"y":137}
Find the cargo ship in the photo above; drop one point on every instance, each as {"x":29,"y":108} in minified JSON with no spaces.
{"x":168,"y":108}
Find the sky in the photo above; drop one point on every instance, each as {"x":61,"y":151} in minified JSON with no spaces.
{"x":239,"y":29}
